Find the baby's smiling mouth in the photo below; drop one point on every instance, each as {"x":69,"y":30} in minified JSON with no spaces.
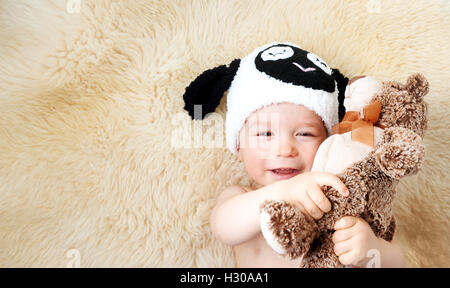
{"x":284,"y":173}
{"x":304,"y":69}
{"x":284,"y":170}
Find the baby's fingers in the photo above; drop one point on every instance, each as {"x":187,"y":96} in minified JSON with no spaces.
{"x":345,"y":222}
{"x":310,"y":207}
{"x":320,"y":199}
{"x":328,"y":179}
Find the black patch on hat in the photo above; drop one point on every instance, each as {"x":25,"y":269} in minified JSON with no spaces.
{"x":296,"y":66}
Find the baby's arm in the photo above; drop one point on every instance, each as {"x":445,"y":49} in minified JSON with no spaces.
{"x":236,"y":217}
{"x":391,"y":254}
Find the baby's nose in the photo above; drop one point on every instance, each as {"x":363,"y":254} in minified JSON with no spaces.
{"x":286,"y":148}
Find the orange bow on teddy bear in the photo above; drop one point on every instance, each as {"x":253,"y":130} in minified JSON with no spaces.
{"x":361,"y":128}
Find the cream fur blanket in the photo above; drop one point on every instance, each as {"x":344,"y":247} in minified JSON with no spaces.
{"x":93,"y":172}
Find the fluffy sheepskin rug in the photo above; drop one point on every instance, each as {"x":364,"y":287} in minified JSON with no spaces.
{"x":100,"y":166}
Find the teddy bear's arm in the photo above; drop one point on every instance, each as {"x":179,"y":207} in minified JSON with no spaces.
{"x":401,"y":153}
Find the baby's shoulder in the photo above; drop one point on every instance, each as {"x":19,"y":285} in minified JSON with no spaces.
{"x":235,"y":190}
{"x":238,"y":187}
{"x":230,"y":191}
{"x":251,"y":188}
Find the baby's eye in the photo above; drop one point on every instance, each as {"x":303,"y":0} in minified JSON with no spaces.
{"x":304,"y":134}
{"x":266,"y":133}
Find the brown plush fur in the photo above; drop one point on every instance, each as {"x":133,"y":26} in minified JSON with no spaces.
{"x":371,"y":181}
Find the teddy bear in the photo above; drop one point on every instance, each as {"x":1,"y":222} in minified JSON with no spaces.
{"x":384,"y":125}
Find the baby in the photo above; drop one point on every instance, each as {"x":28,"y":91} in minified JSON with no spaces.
{"x":279,"y":159}
{"x":282,"y":102}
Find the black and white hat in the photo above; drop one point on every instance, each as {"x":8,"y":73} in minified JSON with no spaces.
{"x":273,"y":73}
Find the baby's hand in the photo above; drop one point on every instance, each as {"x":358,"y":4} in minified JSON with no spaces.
{"x":304,"y":191}
{"x":352,"y":239}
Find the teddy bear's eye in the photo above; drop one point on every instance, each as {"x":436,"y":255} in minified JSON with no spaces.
{"x":319,"y":62}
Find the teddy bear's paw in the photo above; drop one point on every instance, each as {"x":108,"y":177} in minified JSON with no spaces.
{"x":399,"y":159}
{"x":269,"y":235}
{"x":285,"y":228}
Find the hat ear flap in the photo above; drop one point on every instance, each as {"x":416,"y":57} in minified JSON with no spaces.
{"x":208,"y":88}
{"x":342,"y":82}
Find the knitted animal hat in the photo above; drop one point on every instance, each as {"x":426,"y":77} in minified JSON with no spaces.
{"x":273,"y":73}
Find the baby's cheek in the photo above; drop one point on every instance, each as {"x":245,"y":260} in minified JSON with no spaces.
{"x":309,"y":158}
{"x":308,"y":165}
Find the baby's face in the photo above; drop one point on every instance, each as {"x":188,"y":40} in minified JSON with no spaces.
{"x":280,"y":136}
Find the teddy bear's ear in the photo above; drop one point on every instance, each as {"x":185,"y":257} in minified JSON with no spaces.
{"x":417,"y":85}
{"x":208,"y":88}
{"x":342,"y":82}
